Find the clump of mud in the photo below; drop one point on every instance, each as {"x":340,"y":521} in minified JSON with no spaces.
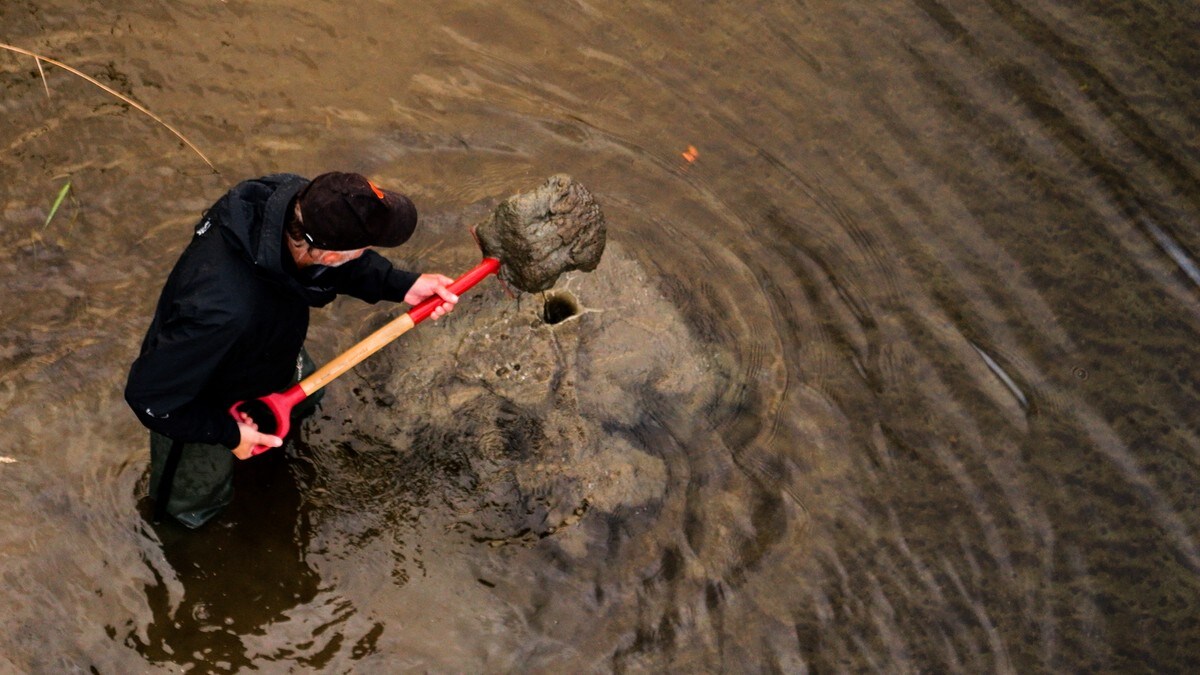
{"x":541,"y":234}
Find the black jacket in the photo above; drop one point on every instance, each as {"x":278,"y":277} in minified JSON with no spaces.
{"x":234,"y":313}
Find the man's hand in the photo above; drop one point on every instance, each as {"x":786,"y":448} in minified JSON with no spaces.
{"x":252,"y":437}
{"x":429,"y":285}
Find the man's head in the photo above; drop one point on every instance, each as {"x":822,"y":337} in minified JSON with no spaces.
{"x":346,"y":212}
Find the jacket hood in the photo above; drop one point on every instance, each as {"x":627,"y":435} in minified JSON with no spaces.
{"x":252,"y":217}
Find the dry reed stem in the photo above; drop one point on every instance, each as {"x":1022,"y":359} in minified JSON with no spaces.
{"x":41,"y":72}
{"x":39,"y":58}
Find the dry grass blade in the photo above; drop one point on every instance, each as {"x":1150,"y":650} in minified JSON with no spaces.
{"x":43,"y":74}
{"x":112,"y":91}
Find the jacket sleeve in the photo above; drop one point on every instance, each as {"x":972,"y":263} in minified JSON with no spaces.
{"x":371,"y":277}
{"x":167,"y":378}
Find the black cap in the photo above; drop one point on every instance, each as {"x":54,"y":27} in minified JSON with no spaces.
{"x":345,"y":211}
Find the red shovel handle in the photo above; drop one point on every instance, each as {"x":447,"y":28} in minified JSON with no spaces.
{"x":277,"y":408}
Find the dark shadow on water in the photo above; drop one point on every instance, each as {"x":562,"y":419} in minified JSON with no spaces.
{"x":240,"y":572}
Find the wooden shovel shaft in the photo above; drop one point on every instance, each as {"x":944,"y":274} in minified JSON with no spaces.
{"x":393,"y":329}
{"x":355,"y":355}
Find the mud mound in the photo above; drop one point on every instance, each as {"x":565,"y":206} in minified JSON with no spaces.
{"x":508,"y":414}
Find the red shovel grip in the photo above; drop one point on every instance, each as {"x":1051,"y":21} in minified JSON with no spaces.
{"x":271,"y":413}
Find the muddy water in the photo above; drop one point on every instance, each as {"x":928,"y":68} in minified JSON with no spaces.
{"x":894,"y":370}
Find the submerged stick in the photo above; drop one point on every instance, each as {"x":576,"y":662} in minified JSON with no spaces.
{"x":39,"y":58}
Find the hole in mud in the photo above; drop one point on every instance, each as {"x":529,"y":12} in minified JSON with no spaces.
{"x":559,"y":307}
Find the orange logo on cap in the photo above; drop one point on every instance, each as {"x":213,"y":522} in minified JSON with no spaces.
{"x":378,"y":192}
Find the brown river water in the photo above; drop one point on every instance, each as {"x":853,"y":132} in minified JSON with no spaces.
{"x":890,"y":365}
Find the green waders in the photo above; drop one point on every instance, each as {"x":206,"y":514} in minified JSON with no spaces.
{"x":197,"y":478}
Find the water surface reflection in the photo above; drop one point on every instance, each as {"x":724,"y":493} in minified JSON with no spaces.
{"x":893,"y":372}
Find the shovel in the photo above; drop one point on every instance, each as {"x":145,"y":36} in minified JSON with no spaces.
{"x":553,"y":229}
{"x":273,"y":412}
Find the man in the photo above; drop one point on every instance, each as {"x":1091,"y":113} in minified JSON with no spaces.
{"x":232,"y":318}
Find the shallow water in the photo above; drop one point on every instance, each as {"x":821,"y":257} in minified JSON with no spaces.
{"x":895,"y":373}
